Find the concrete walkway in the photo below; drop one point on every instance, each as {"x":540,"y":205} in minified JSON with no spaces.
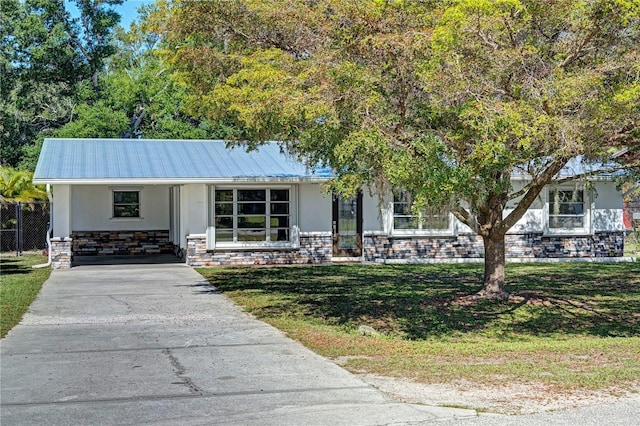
{"x":155,"y":344}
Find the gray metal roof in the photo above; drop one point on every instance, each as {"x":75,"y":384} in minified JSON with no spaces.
{"x":579,"y":166}
{"x":95,"y":160}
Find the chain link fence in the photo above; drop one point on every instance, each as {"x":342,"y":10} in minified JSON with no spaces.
{"x":23,"y":226}
{"x":632,"y":223}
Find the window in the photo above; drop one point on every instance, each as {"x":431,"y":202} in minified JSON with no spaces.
{"x":252,"y":215}
{"x":126,"y":204}
{"x":427,"y":221}
{"x":567,"y":210}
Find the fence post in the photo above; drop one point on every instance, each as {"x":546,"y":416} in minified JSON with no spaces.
{"x":19,"y":233}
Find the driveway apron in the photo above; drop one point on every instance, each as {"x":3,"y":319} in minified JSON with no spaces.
{"x":156,"y":344}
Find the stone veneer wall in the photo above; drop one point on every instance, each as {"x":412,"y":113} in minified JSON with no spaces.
{"x":60,"y":253}
{"x":314,"y":248}
{"x":378,"y":248}
{"x":98,"y":243}
{"x":317,"y":248}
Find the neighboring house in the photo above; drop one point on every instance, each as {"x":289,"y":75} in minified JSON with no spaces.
{"x":218,"y":206}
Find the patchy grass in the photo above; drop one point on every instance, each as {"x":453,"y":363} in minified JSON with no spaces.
{"x":566,"y":326}
{"x":632,"y":244}
{"x":19,"y":286}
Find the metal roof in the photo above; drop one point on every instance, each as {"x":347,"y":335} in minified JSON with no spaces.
{"x":579,"y":166}
{"x":81,"y":161}
{"x":145,"y":160}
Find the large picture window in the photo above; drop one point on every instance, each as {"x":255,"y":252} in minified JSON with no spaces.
{"x":126,"y":204}
{"x":425,"y":221}
{"x":252,"y":215}
{"x":567,"y":210}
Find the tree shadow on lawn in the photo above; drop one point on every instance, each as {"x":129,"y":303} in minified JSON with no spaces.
{"x":13,"y":266}
{"x":419,"y":301}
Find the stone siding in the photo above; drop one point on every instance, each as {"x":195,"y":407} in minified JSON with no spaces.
{"x":378,"y":248}
{"x":602,"y":244}
{"x":314,"y":248}
{"x":104,"y":243}
{"x":60,"y":253}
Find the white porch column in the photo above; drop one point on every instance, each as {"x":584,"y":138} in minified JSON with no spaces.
{"x":61,"y":240}
{"x":197,"y":209}
{"x":62,"y":211}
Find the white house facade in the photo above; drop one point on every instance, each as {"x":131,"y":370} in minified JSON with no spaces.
{"x":211,"y":205}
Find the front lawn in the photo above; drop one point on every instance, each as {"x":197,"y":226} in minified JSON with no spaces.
{"x":566,"y":327}
{"x":19,"y":285}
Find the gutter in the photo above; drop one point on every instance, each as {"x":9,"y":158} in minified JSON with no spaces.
{"x":181,"y":181}
{"x":49,"y":195}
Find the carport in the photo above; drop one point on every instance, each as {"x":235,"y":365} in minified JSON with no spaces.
{"x":114,"y":206}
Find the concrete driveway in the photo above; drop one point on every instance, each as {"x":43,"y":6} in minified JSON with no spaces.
{"x":155,"y":344}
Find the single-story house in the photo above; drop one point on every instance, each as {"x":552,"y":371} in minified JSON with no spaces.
{"x":214,"y":205}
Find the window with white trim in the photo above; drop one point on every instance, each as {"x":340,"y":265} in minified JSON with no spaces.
{"x":126,"y":204}
{"x":426,"y":221}
{"x":248,"y":215}
{"x":567,"y":210}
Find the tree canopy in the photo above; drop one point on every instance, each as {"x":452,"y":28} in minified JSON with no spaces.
{"x":84,"y":77}
{"x":47,"y":57}
{"x":16,"y":187}
{"x":444,"y":99}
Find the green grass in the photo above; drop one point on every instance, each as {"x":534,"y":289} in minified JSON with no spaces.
{"x":567,"y":326}
{"x":632,"y":245}
{"x":19,"y":285}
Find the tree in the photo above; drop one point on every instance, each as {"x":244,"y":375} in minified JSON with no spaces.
{"x":49,"y":60}
{"x":66,"y":76}
{"x":138,"y":84}
{"x":16,"y":186}
{"x":444,"y":99}
{"x":139,"y":96}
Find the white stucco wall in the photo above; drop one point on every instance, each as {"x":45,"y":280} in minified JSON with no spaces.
{"x":607,"y":212}
{"x":61,"y":211}
{"x":604,"y":202}
{"x":371,"y":214}
{"x":195,"y":220}
{"x":89,"y":207}
{"x":92,"y":208}
{"x":314,"y":209}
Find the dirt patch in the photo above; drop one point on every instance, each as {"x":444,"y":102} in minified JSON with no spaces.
{"x":511,"y":399}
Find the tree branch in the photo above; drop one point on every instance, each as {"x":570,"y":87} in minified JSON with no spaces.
{"x":512,"y":37}
{"x":484,"y":38}
{"x":487,"y":40}
{"x":590,"y":173}
{"x":464,"y":216}
{"x":533,"y":192}
{"x":579,"y":49}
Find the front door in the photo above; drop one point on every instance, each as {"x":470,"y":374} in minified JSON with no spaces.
{"x":347,"y":226}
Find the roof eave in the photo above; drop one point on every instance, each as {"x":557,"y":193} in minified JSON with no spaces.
{"x":605,"y":177}
{"x":177,"y":181}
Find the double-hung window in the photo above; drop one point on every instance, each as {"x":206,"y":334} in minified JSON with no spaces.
{"x":247,"y":215}
{"x":426,"y":221}
{"x":567,"y":210}
{"x":126,"y":204}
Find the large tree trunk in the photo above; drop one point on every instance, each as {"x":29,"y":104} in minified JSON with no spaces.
{"x":494,"y":261}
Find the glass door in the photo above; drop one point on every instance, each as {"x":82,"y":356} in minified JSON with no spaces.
{"x":347,"y":226}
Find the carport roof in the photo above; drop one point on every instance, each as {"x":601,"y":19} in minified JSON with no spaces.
{"x":165,"y":161}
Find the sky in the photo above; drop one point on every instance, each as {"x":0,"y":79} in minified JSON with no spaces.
{"x":127,"y":10}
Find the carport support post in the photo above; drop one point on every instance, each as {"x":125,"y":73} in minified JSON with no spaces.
{"x":61,"y":253}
